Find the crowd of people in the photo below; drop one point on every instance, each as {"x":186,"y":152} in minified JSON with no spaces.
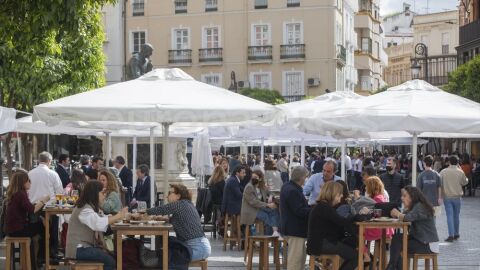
{"x":309,"y":205}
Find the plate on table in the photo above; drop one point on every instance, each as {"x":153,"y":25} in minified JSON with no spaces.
{"x":155,"y":222}
{"x":385,"y":219}
{"x":138,"y":221}
{"x":121,"y":224}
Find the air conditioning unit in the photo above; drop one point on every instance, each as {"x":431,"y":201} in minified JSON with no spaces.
{"x":243,"y":84}
{"x":313,"y":82}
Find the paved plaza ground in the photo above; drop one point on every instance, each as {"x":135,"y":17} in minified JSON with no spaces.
{"x":463,"y":254}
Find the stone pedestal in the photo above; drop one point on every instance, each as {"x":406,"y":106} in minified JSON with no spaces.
{"x":177,"y":169}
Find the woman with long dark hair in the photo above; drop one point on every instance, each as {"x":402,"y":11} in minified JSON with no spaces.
{"x":87,"y":225}
{"x":77,"y":181}
{"x":422,"y":236}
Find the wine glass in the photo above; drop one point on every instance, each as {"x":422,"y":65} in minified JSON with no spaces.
{"x":142,"y":207}
{"x":74,"y":195}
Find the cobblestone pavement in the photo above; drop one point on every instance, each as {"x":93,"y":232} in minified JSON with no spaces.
{"x":463,"y":254}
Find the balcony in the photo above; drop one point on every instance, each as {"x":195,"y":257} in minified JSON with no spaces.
{"x":180,"y":57}
{"x":292,"y":51}
{"x":180,"y":6}
{"x":470,"y":32}
{"x":261,"y":4}
{"x":341,"y":55}
{"x":211,"y":5}
{"x":293,"y":3}
{"x":210,"y":55}
{"x":365,"y":5}
{"x":293,"y":98}
{"x":260,"y":53}
{"x":138,"y":8}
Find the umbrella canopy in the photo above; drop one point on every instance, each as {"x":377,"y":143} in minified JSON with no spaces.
{"x":7,"y":119}
{"x":415,"y":107}
{"x":202,"y":159}
{"x":160,"y":96}
{"x":26,"y":125}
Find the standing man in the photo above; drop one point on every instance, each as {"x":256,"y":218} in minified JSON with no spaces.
{"x":316,"y":181}
{"x":453,"y":180}
{"x":142,"y":188}
{"x":126,"y":176}
{"x":393,"y":181}
{"x":294,"y":212}
{"x":62,"y":169}
{"x":430,"y":183}
{"x":232,"y":193}
{"x":97,"y":165}
{"x":46,"y":182}
{"x":233,"y":163}
{"x":282,"y":166}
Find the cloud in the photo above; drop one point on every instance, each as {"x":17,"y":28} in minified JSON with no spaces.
{"x":419,"y":6}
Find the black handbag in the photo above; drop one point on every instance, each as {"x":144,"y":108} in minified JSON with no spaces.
{"x":149,"y":258}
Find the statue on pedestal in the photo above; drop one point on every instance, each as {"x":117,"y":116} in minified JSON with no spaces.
{"x":140,"y":63}
{"x":182,"y":161}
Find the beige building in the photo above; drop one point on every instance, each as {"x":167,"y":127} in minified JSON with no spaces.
{"x":398,"y":70}
{"x":370,"y":58}
{"x":293,"y":46}
{"x":439,"y":32}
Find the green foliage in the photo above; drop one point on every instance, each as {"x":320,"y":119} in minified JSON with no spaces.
{"x":268,"y":96}
{"x":465,"y":80}
{"x":49,"y":49}
{"x":381,"y":89}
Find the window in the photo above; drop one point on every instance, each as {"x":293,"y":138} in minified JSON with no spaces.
{"x":293,"y":33}
{"x":366,"y":45}
{"x":180,"y":6}
{"x":138,"y":7}
{"x":214,"y":79}
{"x":365,"y":83}
{"x":261,"y":4}
{"x":445,"y":43}
{"x":210,"y":5}
{"x":261,"y":35}
{"x":293,"y":83}
{"x":262,"y":80}
{"x":211,"y":37}
{"x":180,"y":39}
{"x":138,"y":39}
{"x":293,"y":3}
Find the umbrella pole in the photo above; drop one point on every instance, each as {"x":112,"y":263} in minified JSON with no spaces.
{"x":109,"y":147}
{"x":262,"y":153}
{"x":302,"y":152}
{"x":152,"y":166}
{"x":342,"y":169}
{"x":134,"y":160}
{"x":165,"y":159}
{"x":414,"y":159}
{"x":19,"y":148}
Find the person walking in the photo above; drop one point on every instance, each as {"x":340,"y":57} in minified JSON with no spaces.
{"x":430,"y":183}
{"x":453,"y":180}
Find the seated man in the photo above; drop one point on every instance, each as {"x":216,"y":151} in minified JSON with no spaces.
{"x":142,"y":189}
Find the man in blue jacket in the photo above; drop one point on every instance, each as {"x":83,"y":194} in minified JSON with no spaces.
{"x":233,"y":192}
{"x":294,"y":211}
{"x":142,"y":188}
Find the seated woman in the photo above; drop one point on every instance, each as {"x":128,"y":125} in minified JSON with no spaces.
{"x":86,"y":226}
{"x":255,"y":204}
{"x":326,"y":227}
{"x":112,"y":203}
{"x":374,"y":188}
{"x":422,"y":236}
{"x":185,"y":220}
{"x":18,"y":208}
{"x":77,"y":181}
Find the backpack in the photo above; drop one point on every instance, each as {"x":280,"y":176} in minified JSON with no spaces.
{"x":3,"y":211}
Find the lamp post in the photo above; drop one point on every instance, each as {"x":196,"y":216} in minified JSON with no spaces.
{"x":233,"y":83}
{"x":421,"y":50}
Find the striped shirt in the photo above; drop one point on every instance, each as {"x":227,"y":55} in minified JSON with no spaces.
{"x":184,"y":218}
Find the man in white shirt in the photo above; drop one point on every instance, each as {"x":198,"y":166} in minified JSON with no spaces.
{"x":46,"y":182}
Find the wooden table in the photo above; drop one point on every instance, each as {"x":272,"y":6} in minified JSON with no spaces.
{"x":384,"y":225}
{"x":48,"y":213}
{"x":134,"y":229}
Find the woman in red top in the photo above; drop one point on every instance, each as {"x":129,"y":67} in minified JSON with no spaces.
{"x":18,"y":208}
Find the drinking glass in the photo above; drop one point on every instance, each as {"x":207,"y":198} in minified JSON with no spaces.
{"x":142,"y":207}
{"x":74,"y":195}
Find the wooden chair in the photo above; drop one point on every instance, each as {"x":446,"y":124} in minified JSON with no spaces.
{"x":264,"y":254}
{"x":203,"y":264}
{"x":84,"y":265}
{"x":235,"y":234}
{"x":331,"y":262}
{"x":284,"y":245}
{"x":426,"y":258}
{"x":259,"y":227}
{"x":25,"y":256}
{"x":377,"y":254}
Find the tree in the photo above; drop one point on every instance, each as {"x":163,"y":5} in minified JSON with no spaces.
{"x":265,"y":95}
{"x":49,"y":49}
{"x":465,"y":80}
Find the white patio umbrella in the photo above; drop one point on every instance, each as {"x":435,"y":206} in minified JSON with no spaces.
{"x":160,"y":97}
{"x":202,"y":159}
{"x":414,"y":107}
{"x":7,"y":119}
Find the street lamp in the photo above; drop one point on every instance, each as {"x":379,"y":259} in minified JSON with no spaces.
{"x":233,"y":83}
{"x":421,"y":50}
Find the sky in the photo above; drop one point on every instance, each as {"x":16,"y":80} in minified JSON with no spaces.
{"x":391,"y":6}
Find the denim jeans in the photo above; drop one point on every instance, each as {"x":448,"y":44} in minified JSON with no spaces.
{"x":284,"y":176}
{"x":201,"y":248}
{"x":96,"y":255}
{"x":452,"y":210}
{"x":269,"y":216}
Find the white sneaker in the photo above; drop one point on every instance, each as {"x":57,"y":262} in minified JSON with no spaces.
{"x":277,"y":234}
